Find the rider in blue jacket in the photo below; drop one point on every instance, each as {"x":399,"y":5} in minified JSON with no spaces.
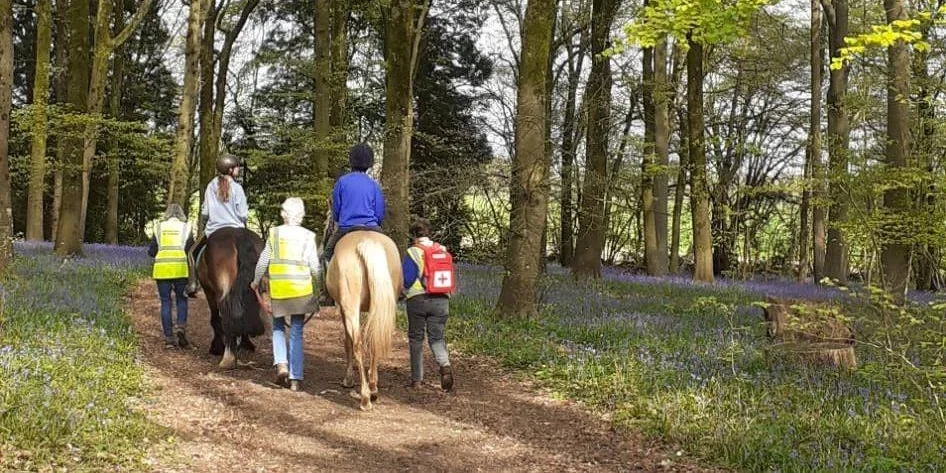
{"x":357,"y":204}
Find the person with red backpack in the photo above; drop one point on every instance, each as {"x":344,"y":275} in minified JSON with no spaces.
{"x":429,"y":279}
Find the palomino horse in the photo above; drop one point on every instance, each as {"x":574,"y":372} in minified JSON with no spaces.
{"x":225,"y":270}
{"x":364,"y":275}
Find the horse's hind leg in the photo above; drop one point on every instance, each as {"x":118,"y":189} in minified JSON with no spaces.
{"x":217,"y":345}
{"x":349,"y":381}
{"x":246,"y":344}
{"x":229,"y":361}
{"x":353,"y":328}
{"x":373,"y":377}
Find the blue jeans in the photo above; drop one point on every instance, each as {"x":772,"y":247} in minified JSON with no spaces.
{"x":295,"y":344}
{"x":164,"y":291}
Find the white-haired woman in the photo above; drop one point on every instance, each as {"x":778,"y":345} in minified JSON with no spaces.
{"x":290,"y":259}
{"x":170,"y":242}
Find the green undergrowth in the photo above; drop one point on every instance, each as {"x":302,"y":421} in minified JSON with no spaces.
{"x":690,"y":366}
{"x":70,"y":388}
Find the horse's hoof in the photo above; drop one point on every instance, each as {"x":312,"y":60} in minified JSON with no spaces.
{"x":365,"y":406}
{"x":347,"y":384}
{"x":228,"y":362}
{"x":374,"y":396}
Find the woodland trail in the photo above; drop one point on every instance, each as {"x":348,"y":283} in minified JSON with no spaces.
{"x":239,"y":421}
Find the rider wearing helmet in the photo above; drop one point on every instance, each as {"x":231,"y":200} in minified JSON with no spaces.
{"x":357,"y":204}
{"x":224,"y":205}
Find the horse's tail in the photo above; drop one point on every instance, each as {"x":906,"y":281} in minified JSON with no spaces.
{"x":379,"y":328}
{"x":240,"y":301}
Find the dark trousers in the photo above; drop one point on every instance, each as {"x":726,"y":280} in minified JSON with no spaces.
{"x":165,"y":287}
{"x":427,"y":315}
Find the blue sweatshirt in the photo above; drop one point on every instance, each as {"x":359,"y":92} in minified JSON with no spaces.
{"x":357,"y":201}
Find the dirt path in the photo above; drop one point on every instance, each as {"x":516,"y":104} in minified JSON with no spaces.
{"x":239,"y":421}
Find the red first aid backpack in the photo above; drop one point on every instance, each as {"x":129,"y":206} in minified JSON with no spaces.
{"x":439,"y":276}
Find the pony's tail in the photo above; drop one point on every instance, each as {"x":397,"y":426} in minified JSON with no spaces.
{"x":379,"y":328}
{"x":242,"y":302}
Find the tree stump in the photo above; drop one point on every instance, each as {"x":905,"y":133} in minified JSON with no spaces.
{"x":812,"y":330}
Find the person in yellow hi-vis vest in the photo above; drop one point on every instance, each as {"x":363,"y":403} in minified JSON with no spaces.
{"x":291,"y":261}
{"x":170,"y":242}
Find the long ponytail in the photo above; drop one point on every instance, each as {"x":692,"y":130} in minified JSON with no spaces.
{"x":223,"y":188}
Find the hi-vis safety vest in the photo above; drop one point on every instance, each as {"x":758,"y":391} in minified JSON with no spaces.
{"x":417,"y":288}
{"x":289,"y":274}
{"x":171,"y":260}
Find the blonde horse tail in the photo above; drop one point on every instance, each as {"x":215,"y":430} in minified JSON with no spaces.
{"x":380,"y":326}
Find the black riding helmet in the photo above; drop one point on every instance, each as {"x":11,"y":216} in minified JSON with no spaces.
{"x":227,"y":162}
{"x":361,"y":157}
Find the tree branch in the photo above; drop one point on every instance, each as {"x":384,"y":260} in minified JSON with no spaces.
{"x":120,"y":38}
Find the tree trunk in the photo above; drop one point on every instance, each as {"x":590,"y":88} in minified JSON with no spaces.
{"x":566,"y":249}
{"x":96,"y":100}
{"x":340,"y":65}
{"x":37,"y":186}
{"x":114,"y":111}
{"x":103,"y":47}
{"x":61,"y":91}
{"x":651,"y":253}
{"x":662,"y":150}
{"x":223,"y":69}
{"x":322,"y":108}
{"x":895,"y":255}
{"x":699,"y":193}
{"x":679,"y":191}
{"x":185,"y":124}
{"x":402,"y":35}
{"x":78,"y":71}
{"x":529,"y":186}
{"x":926,"y":256}
{"x":836,"y":252}
{"x":208,"y":143}
{"x":816,"y":168}
{"x":6,"y":105}
{"x":592,"y":231}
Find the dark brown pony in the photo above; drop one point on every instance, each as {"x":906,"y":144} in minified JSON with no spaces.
{"x":225,"y":271}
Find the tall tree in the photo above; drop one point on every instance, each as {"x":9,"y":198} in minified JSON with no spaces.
{"x":34,"y":208}
{"x":699,"y":23}
{"x":662,"y":154}
{"x":322,"y":105}
{"x":61,"y":93}
{"x":896,"y":250}
{"x":403,"y":27}
{"x":699,"y":192}
{"x":231,"y":34}
{"x":340,"y":65}
{"x":682,"y":152}
{"x":6,"y":104}
{"x":591,"y":220}
{"x":207,"y":147}
{"x":655,"y":158}
{"x":816,"y":167}
{"x":114,"y":111}
{"x":78,"y":71}
{"x":529,"y":186}
{"x":839,"y":137}
{"x":575,"y":57}
{"x":185,"y":124}
{"x":104,"y":45}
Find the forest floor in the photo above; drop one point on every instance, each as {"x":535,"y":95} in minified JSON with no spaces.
{"x":240,"y":420}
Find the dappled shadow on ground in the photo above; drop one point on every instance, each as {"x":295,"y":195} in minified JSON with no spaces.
{"x":239,"y":420}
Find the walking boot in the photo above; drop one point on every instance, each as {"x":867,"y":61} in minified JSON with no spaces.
{"x":446,"y":378}
{"x":295,"y":385}
{"x":182,"y":338}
